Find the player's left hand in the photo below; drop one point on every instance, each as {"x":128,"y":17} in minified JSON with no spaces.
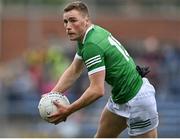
{"x":61,"y":114}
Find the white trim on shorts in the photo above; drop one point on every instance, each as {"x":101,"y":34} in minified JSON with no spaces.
{"x":140,"y":111}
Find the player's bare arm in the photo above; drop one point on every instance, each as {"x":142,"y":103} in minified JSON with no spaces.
{"x":92,"y":93}
{"x":71,"y":74}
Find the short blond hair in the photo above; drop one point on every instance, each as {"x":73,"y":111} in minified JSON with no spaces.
{"x":77,"y":5}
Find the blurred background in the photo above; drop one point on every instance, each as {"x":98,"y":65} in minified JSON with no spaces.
{"x":34,"y":52}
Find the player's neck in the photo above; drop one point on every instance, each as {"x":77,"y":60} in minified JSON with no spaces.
{"x":85,"y":32}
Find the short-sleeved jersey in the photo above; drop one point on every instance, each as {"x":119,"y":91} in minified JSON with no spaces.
{"x":101,"y":51}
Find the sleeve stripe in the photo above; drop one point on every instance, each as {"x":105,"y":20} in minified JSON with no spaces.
{"x":92,"y":58}
{"x":94,"y":63}
{"x":96,"y":70}
{"x":77,"y":56}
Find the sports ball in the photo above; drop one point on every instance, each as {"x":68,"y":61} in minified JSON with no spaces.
{"x":46,"y":106}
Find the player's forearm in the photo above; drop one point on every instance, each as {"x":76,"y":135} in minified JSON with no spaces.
{"x":88,"y":97}
{"x":66,"y":80}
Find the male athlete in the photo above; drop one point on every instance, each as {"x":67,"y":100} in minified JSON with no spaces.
{"x":132,"y":104}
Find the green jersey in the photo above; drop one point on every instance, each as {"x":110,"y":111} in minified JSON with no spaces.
{"x":101,"y":51}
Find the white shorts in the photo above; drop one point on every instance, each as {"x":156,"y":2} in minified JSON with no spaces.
{"x":140,"y":111}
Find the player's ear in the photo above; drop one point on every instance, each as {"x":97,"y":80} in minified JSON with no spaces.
{"x":86,"y":18}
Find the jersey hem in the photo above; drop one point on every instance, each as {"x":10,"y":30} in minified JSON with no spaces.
{"x":132,"y":94}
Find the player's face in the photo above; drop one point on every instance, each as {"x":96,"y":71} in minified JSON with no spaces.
{"x":75,"y":24}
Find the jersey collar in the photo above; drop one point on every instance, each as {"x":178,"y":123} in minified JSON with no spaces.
{"x":91,"y":27}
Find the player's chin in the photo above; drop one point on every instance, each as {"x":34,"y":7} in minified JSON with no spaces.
{"x":72,"y":38}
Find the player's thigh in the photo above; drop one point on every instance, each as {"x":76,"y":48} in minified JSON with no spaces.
{"x":143,"y":119}
{"x":150,"y":134}
{"x":110,"y":125}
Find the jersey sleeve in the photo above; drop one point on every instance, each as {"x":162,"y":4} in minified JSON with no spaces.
{"x":78,"y":54}
{"x":93,"y":57}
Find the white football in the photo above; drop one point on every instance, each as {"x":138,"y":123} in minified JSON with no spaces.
{"x":46,"y":106}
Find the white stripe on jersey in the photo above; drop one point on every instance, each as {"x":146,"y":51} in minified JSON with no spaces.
{"x":96,"y":70}
{"x":94,"y":63}
{"x":92,"y":58}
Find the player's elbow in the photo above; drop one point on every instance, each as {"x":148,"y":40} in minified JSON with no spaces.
{"x":100,"y":91}
{"x":97,"y":89}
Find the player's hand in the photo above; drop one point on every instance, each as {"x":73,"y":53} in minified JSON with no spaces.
{"x":61,"y":114}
